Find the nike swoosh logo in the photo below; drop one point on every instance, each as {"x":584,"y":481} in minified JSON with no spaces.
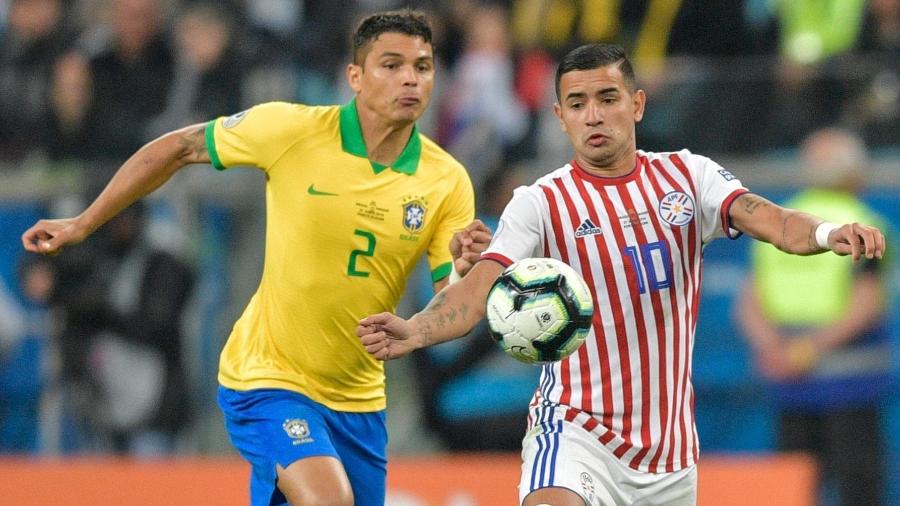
{"x":313,"y":191}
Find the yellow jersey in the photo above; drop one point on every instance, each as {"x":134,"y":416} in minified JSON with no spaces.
{"x":343,"y":234}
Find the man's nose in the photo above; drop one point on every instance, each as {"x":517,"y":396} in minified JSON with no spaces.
{"x":594,"y":114}
{"x":409,"y":76}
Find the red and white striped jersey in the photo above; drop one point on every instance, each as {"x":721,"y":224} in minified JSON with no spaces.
{"x":638,"y":242}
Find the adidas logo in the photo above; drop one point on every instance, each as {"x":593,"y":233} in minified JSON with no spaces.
{"x":587,"y":227}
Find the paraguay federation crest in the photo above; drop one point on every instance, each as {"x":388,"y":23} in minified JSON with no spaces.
{"x":414,"y":211}
{"x":676,"y":208}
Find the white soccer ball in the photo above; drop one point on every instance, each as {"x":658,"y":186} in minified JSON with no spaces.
{"x":539,"y":310}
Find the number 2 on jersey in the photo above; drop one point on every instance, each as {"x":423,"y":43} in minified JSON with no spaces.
{"x":654,"y":262}
{"x":352,"y":270}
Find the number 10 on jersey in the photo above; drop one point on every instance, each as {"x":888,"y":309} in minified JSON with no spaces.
{"x":653,"y":262}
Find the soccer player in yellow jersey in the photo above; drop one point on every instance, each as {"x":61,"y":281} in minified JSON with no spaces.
{"x":355,"y":195}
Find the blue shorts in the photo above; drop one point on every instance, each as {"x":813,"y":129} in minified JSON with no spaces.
{"x":273,"y":426}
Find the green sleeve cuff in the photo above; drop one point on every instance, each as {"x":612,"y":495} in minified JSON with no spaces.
{"x":211,"y":145}
{"x":441,"y":272}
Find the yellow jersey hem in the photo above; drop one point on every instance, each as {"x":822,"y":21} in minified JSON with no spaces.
{"x":351,"y":406}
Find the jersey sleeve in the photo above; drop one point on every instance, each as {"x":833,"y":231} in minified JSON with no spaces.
{"x":520,"y":233}
{"x":254,"y":137}
{"x":717,"y":188}
{"x":458,"y":213}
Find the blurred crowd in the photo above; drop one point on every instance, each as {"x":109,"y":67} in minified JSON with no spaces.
{"x":90,"y":81}
{"x":85,"y":83}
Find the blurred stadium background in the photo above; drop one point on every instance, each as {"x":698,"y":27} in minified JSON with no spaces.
{"x":83,"y":83}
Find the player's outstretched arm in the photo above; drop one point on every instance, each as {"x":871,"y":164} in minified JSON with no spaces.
{"x":145,"y":171}
{"x":451,"y":313}
{"x":800,"y":233}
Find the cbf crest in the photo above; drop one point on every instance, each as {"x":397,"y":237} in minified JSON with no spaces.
{"x":415,"y":209}
{"x":298,"y":430}
{"x":676,"y":208}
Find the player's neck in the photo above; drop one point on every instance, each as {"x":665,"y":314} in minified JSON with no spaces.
{"x":384,"y":140}
{"x":622,"y":166}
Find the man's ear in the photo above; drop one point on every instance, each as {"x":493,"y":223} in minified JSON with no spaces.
{"x":354,"y":76}
{"x":640,"y":101}
{"x":557,"y":109}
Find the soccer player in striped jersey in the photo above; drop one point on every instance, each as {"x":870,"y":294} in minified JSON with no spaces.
{"x":355,"y":196}
{"x":614,"y":422}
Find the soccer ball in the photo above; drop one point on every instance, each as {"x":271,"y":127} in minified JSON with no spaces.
{"x":539,"y":310}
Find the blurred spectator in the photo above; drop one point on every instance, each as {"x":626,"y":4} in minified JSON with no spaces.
{"x":684,"y":51}
{"x":24,"y":334}
{"x":881,"y":28}
{"x":474,"y":395}
{"x":562,"y":26}
{"x":35,"y":36}
{"x":294,"y":50}
{"x":481,"y":116}
{"x":131,"y":68}
{"x":811,"y":31}
{"x":875,"y":108}
{"x":65,"y":134}
{"x":208,"y":72}
{"x":653,"y":28}
{"x":124,"y":300}
{"x":817,"y":327}
{"x":722,"y":28}
{"x":656,"y":30}
{"x":808,"y":92}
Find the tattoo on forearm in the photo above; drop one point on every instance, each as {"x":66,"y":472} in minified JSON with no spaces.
{"x":784,"y":227}
{"x":427,"y":333}
{"x":439,"y":314}
{"x":810,"y":237}
{"x":753,"y":202}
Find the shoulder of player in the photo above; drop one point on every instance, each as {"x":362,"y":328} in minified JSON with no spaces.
{"x":436,"y":156}
{"x":548,"y":178}
{"x":289,"y":114}
{"x":684,"y":157}
{"x":684,"y":154}
{"x":535,"y":190}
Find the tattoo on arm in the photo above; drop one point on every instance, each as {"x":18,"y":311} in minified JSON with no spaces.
{"x":439,"y":314}
{"x":194,"y":142}
{"x":810,"y":236}
{"x":753,"y":202}
{"x":427,"y":333}
{"x":784,"y":227}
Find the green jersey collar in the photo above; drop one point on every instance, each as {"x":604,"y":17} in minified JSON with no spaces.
{"x":352,"y":142}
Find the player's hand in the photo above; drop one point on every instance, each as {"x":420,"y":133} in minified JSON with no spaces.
{"x":48,"y":237}
{"x":772,"y":362}
{"x":857,"y":241}
{"x":467,"y":245}
{"x":386,"y":336}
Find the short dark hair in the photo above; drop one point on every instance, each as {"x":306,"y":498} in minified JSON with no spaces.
{"x":594,"y":56}
{"x":405,"y":21}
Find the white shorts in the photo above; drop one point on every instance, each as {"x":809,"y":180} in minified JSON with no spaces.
{"x":562,"y":454}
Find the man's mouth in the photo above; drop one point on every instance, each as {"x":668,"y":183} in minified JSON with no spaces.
{"x":408,"y":101}
{"x":597,"y":139}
